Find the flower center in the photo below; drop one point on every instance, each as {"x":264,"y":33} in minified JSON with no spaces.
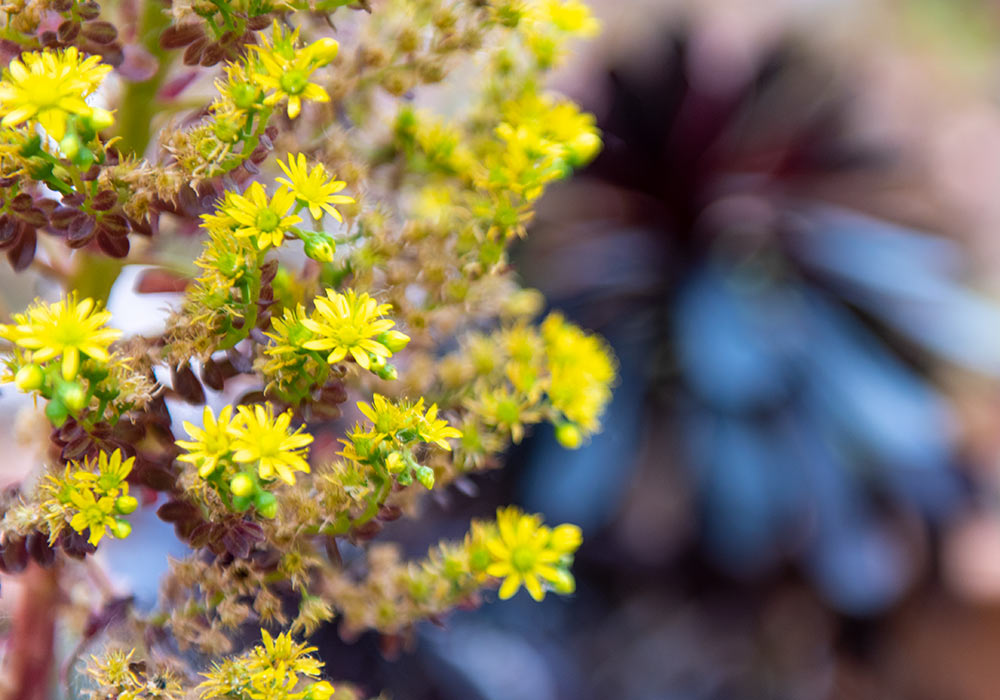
{"x":294,"y":82}
{"x":507,"y":411}
{"x":267,"y":221}
{"x":522,"y":559}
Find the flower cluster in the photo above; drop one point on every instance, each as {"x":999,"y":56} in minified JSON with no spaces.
{"x":119,"y":675}
{"x":90,"y":497}
{"x":241,"y":455}
{"x":277,"y":71}
{"x":268,"y":221}
{"x":287,"y":338}
{"x":277,"y":669}
{"x":62,"y":353}
{"x":241,"y":230}
{"x":387,"y":443}
{"x":340,"y":326}
{"x":523,"y":374}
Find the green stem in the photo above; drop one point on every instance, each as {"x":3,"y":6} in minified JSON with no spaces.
{"x":139,"y":104}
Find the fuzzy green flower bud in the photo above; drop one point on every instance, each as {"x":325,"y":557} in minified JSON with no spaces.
{"x":245,"y":95}
{"x":56,"y":412}
{"x":70,"y":145}
{"x":126,"y":504}
{"x":319,"y":691}
{"x":242,"y":485}
{"x":73,"y":396}
{"x":318,"y":246}
{"x":100,"y":119}
{"x":121,"y":528}
{"x":241,"y":503}
{"x":387,"y":372}
{"x":569,"y":435}
{"x":29,"y":378}
{"x":425,"y":475}
{"x":394,"y":341}
{"x":266,"y":504}
{"x":323,"y":50}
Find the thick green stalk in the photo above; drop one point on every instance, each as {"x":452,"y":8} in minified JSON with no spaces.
{"x":139,"y":104}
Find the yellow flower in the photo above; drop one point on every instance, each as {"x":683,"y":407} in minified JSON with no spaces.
{"x":65,"y":328}
{"x":48,"y":86}
{"x":289,"y":333}
{"x":437,"y":430}
{"x":263,"y":438}
{"x":112,"y":472}
{"x":391,"y":418}
{"x":506,"y":409}
{"x":269,"y":671}
{"x":114,"y":669}
{"x":351,"y":323}
{"x":210,"y":443}
{"x":284,"y":71}
{"x":387,"y":417}
{"x":257,"y":217}
{"x":93,"y":513}
{"x":523,"y":553}
{"x":569,"y":16}
{"x":312,"y":188}
{"x":582,"y":369}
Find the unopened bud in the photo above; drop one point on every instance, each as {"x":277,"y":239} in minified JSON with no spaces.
{"x":569,"y":435}
{"x":70,"y":145}
{"x":242,"y":485}
{"x":324,"y":50}
{"x":29,"y":378}
{"x":425,"y":475}
{"x":73,"y":396}
{"x":320,"y":691}
{"x":100,"y":119}
{"x":121,"y":528}
{"x":126,"y":504}
{"x":56,"y":412}
{"x":394,"y":341}
{"x":319,"y":246}
{"x":266,"y":504}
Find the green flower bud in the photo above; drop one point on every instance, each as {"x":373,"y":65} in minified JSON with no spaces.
{"x":84,"y":158}
{"x":266,"y":504}
{"x":73,"y":396}
{"x":100,"y":119}
{"x":226,"y":131}
{"x":56,"y":412}
{"x":394,"y":341}
{"x":242,"y":485}
{"x":569,"y":435}
{"x":425,"y":475}
{"x":323,"y":51}
{"x":479,"y":559}
{"x":245,"y":95}
{"x":126,"y":504}
{"x":29,"y":378}
{"x":394,"y":463}
{"x":70,"y":145}
{"x":319,"y":691}
{"x":318,"y":246}
{"x":121,"y":528}
{"x":388,"y":373}
{"x":241,"y":503}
